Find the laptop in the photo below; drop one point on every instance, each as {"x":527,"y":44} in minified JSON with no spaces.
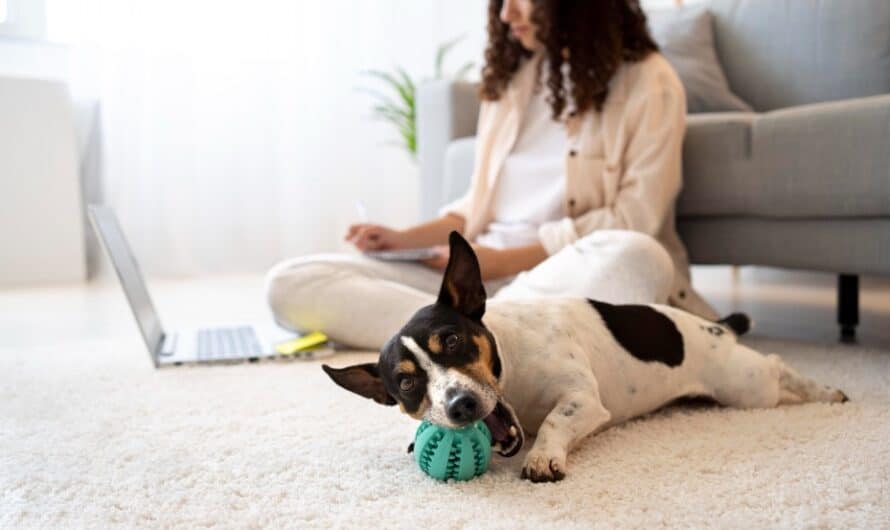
{"x":213,"y":344}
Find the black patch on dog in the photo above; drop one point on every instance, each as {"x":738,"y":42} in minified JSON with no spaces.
{"x":462,"y":286}
{"x":443,"y":320}
{"x":393,"y":353}
{"x":739,"y":323}
{"x":644,"y":332}
{"x":363,"y":379}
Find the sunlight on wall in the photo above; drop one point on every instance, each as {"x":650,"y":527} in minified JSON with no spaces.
{"x":235,"y":138}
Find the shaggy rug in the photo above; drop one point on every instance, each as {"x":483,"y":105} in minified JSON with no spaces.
{"x":92,"y":436}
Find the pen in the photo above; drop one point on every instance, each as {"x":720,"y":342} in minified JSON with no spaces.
{"x":362,"y":211}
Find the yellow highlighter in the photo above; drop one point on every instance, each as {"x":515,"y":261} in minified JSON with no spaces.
{"x":302,"y":345}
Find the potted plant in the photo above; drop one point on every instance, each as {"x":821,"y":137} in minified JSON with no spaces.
{"x":397,"y":105}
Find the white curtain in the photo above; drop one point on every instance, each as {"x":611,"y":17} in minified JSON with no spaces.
{"x":232,"y":131}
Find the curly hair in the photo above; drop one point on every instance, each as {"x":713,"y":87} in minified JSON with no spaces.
{"x":593,"y":36}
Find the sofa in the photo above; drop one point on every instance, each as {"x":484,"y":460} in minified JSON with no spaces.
{"x":803,"y":182}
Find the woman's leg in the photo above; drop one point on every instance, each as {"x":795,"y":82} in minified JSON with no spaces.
{"x":355,"y":300}
{"x":616,"y":266}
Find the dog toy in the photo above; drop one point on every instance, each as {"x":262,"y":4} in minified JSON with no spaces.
{"x":458,"y":454}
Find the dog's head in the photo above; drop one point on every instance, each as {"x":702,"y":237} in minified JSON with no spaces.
{"x":443,"y":365}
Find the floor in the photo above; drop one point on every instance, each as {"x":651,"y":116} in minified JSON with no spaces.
{"x":796,"y":304}
{"x":93,"y":436}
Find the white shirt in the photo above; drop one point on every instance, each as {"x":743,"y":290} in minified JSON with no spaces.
{"x":530,"y":190}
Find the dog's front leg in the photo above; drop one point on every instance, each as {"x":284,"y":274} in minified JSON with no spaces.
{"x":576,"y":414}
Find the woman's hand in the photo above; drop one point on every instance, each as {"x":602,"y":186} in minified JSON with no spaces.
{"x":440,"y":260}
{"x":369,"y":237}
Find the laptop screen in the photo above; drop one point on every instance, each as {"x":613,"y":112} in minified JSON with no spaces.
{"x":105,"y":223}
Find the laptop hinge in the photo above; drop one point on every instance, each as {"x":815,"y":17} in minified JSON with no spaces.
{"x":168,"y":345}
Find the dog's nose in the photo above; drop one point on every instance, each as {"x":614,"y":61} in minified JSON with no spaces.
{"x":462,"y":408}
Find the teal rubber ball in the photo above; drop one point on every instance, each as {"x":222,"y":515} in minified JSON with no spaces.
{"x":457,"y":454}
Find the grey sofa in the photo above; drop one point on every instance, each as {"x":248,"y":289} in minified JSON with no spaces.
{"x":802,"y":183}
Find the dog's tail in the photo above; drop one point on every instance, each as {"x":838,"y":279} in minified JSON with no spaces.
{"x":739,"y":323}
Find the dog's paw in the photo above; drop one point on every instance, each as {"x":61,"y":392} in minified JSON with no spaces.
{"x":540,"y":467}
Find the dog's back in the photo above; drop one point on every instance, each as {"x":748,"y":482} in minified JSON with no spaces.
{"x":642,"y":356}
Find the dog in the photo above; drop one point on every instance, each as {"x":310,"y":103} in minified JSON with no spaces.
{"x":562,"y":368}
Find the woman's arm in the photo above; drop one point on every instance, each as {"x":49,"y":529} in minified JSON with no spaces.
{"x":367,"y":236}
{"x":514,"y":260}
{"x":433,"y":232}
{"x":497,"y":263}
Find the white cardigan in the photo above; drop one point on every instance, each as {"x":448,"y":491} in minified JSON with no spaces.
{"x":623,"y":164}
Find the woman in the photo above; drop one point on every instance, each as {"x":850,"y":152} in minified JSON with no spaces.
{"x":577,"y":169}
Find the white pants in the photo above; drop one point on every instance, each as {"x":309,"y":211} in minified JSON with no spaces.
{"x":362,"y":302}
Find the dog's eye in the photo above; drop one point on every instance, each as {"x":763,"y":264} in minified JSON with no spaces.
{"x":451,"y":342}
{"x":406,"y":384}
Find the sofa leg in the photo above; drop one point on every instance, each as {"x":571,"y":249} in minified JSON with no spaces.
{"x":848,"y":306}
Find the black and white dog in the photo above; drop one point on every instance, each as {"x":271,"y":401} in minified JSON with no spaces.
{"x":561,"y":368}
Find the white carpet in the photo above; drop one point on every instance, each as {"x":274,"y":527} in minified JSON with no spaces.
{"x":92,"y":436}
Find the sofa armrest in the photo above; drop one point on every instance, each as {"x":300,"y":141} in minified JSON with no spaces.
{"x":822,"y":147}
{"x":446,"y":110}
{"x":459,"y":159}
{"x":810,"y":161}
{"x":716,"y":150}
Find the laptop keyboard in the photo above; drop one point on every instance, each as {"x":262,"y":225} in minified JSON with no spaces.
{"x":227,"y":343}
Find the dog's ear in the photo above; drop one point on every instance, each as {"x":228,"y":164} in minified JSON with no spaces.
{"x":363,"y":379}
{"x":462,"y":286}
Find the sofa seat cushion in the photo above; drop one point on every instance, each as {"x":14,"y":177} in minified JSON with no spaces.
{"x":854,"y":246}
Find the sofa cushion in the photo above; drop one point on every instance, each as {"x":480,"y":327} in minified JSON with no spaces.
{"x":686,"y":39}
{"x":779,"y":53}
{"x":821,"y":160}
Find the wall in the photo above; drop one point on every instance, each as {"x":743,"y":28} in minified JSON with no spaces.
{"x":234,"y":134}
{"x":235,"y":138}
{"x":23,"y":19}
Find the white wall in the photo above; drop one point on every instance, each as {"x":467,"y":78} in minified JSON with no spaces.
{"x":234,"y":132}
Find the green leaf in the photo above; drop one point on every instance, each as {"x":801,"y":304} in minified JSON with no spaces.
{"x":402,"y":112}
{"x":386,"y":101}
{"x":398,"y":119}
{"x":410,"y":141}
{"x":463,"y":70}
{"x":406,"y":92}
{"x":442,"y":51}
{"x":390,"y":109}
{"x":406,"y":79}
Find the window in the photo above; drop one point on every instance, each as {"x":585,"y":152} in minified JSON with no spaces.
{"x":2,"y":11}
